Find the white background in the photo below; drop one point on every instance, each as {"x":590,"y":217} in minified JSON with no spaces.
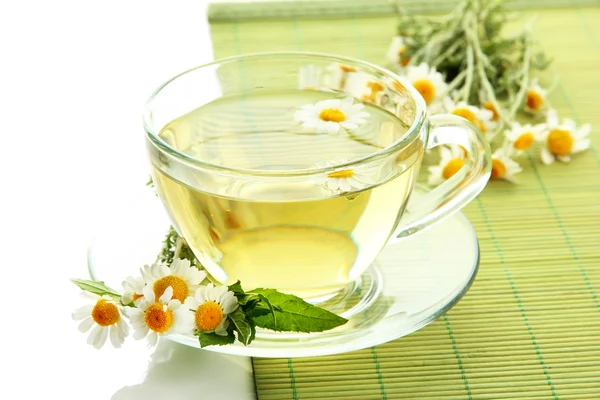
{"x":74,"y":77}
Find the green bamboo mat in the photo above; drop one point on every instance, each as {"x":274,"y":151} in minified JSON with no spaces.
{"x":529,"y":328}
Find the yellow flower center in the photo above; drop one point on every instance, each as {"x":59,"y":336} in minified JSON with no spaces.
{"x":560,"y":142}
{"x":347,"y":68}
{"x":157,"y":318}
{"x":346,"y":173}
{"x":452,"y":167}
{"x":105,"y":313}
{"x":466,"y":114}
{"x":332,"y":114}
{"x":180,"y":287}
{"x":425,"y":88}
{"x":489,"y":106}
{"x":469,"y":116}
{"x":498,"y":169}
{"x":535,"y":101}
{"x":209,"y":316}
{"x":524,"y":141}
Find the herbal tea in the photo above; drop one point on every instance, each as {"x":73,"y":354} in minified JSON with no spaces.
{"x":299,"y":235}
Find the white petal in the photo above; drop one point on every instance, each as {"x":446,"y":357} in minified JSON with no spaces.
{"x":94,"y":335}
{"x":564,"y":159}
{"x":200,"y":294}
{"x":127,"y":298}
{"x":167,"y":295}
{"x":184,"y":322}
{"x":349,"y":125}
{"x":581,"y":145}
{"x":191,"y":303}
{"x":331,"y":128}
{"x":546,"y":156}
{"x":141,"y":332}
{"x":82,"y":312}
{"x":196,"y":276}
{"x":222,"y":328}
{"x":123,"y":327}
{"x":148,"y":295}
{"x":101,"y":337}
{"x":85,"y":325}
{"x":153,"y":338}
{"x":583,"y":132}
{"x":229,"y":305}
{"x":115,"y":337}
{"x":345,"y":185}
{"x":174,"y":304}
{"x":333,"y":184}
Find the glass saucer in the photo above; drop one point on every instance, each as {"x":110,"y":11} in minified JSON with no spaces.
{"x":414,"y":281}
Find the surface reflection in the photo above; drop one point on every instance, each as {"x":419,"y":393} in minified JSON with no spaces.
{"x":181,"y":372}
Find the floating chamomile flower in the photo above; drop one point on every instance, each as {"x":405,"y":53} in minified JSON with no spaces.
{"x":345,"y":179}
{"x":329,"y":116}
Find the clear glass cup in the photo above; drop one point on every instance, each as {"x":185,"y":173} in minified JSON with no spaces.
{"x":275,"y":177}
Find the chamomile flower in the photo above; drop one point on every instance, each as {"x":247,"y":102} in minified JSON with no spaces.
{"x":344,"y":180}
{"x":503,"y":167}
{"x":211,"y":305}
{"x":159,"y":316}
{"x":309,"y":77}
{"x":481,"y":118}
{"x":428,"y":82}
{"x":181,"y":276}
{"x":106,"y":317}
{"x":452,"y":159}
{"x":521,"y":137}
{"x":536,"y":98}
{"x":560,"y":140}
{"x":396,"y":54}
{"x":133,"y":287}
{"x":329,"y":116}
{"x":488,"y":105}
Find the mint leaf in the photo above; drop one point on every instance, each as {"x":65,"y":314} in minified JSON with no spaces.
{"x":293,"y":314}
{"x":236,"y":288}
{"x":241,"y":296}
{"x":96,"y":287}
{"x":212,"y":339}
{"x":242,"y":326}
{"x":270,"y":306}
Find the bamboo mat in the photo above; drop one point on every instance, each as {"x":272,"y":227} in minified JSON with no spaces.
{"x":529,"y":328}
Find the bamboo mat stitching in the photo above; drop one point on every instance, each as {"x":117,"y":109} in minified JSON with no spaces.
{"x":513,"y":286}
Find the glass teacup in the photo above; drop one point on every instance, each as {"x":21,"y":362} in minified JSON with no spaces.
{"x":293,"y":170}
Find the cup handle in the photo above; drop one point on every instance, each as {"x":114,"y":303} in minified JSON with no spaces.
{"x":456,"y":192}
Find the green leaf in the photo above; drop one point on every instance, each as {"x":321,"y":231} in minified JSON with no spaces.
{"x":236,"y":288}
{"x":294,"y":314}
{"x":96,"y":287}
{"x":270,"y":306}
{"x":242,"y":326}
{"x":212,"y":339}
